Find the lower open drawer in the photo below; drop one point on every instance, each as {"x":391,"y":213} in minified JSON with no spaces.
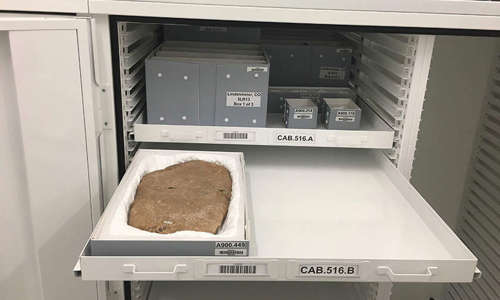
{"x":322,"y":215}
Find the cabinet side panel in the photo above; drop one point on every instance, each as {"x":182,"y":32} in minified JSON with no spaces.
{"x":19,"y":273}
{"x":49,"y":99}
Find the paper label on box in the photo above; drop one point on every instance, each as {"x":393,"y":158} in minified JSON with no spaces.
{"x":213,"y":28}
{"x":236,"y":248}
{"x":243,"y":99}
{"x":329,"y":270}
{"x":332,"y":73}
{"x":256,"y":69}
{"x":344,"y":50}
{"x":345,"y":116}
{"x":303,"y":113}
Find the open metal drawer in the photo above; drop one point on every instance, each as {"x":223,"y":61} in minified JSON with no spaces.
{"x":322,"y":215}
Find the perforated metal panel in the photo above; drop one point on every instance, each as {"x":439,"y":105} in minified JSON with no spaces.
{"x":135,"y":42}
{"x":385,"y":81}
{"x":479,"y":226}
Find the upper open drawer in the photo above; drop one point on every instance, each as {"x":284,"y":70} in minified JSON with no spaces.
{"x":317,"y":214}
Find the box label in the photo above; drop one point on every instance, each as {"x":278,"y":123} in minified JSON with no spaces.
{"x":213,"y":29}
{"x":330,"y":270}
{"x":237,"y":269}
{"x":236,"y":248}
{"x":331,"y":73}
{"x":294,"y":138}
{"x":256,"y":69}
{"x":303,"y":113}
{"x":231,"y":252}
{"x":243,"y":99}
{"x":345,"y":116}
{"x":344,"y":50}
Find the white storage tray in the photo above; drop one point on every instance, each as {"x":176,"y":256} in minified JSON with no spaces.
{"x":373,"y":133}
{"x":261,"y":291}
{"x":315,"y":208}
{"x":113,"y":235}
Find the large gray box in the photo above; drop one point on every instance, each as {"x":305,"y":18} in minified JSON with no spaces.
{"x":341,"y":113}
{"x":212,"y":33}
{"x":193,"y":83}
{"x":308,"y":60}
{"x":290,"y":62}
{"x":300,"y":113}
{"x":330,"y":63}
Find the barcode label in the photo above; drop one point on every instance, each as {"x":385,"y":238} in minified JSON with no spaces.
{"x":235,"y":136}
{"x":238,"y":269}
{"x":231,"y":252}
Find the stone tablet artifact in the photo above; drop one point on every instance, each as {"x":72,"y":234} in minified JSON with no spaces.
{"x":192,"y":195}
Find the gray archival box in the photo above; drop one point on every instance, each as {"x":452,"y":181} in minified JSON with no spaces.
{"x":300,"y":113}
{"x":341,"y":113}
{"x":197,"y":83}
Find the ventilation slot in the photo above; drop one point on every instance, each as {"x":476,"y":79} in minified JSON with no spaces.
{"x":479,"y":225}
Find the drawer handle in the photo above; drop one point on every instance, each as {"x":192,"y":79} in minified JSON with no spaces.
{"x":131,"y":269}
{"x":385,"y":270}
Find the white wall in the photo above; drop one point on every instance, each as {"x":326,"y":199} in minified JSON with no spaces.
{"x":455,"y":94}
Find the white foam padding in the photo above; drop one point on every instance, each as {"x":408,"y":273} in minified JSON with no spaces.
{"x":114,"y":225}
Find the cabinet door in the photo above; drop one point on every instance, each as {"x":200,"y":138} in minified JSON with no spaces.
{"x":74,"y":6}
{"x":48,"y":156}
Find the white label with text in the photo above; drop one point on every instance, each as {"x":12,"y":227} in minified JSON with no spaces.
{"x":345,"y":116}
{"x":294,"y":138}
{"x":213,"y":28}
{"x":332,"y":270}
{"x":332,"y":73}
{"x":237,"y":248}
{"x":256,"y":69}
{"x":243,"y":99}
{"x":303,"y":113}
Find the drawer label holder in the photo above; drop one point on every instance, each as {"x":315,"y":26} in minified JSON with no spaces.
{"x":328,"y":270}
{"x":294,"y":138}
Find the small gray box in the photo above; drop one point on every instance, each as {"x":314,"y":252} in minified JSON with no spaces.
{"x":193,"y":83}
{"x":300,"y":113}
{"x":277,"y":95}
{"x":341,"y":113}
{"x":330,"y":63}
